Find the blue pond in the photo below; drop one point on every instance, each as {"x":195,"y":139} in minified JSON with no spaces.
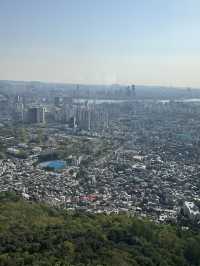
{"x":56,"y":165}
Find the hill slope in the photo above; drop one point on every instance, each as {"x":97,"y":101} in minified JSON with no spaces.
{"x":35,"y":234}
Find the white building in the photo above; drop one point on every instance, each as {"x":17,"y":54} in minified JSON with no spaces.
{"x":191,"y":211}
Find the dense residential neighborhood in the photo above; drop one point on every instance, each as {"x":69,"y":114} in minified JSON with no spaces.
{"x":136,"y":156}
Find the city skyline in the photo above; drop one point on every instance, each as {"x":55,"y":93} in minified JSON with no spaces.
{"x":101,"y":42}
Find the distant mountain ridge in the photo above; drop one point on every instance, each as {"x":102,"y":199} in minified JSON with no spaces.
{"x":142,"y":91}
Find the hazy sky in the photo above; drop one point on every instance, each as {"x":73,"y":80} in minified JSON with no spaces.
{"x":101,"y":41}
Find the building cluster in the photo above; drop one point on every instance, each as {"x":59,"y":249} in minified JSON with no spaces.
{"x":79,"y":115}
{"x":152,"y":168}
{"x":83,"y":115}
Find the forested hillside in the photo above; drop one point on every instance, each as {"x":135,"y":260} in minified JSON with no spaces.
{"x":35,"y":234}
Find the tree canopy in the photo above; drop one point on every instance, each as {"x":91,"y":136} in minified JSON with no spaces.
{"x":36,"y":234}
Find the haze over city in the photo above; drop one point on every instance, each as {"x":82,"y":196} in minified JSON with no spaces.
{"x":148,"y":42}
{"x":99,"y":133}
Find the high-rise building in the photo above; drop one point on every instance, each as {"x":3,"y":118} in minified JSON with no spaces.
{"x":58,"y":101}
{"x":68,"y":100}
{"x":36,"y":115}
{"x":83,"y":116}
{"x":91,"y":117}
{"x":133,"y":90}
{"x":19,"y":112}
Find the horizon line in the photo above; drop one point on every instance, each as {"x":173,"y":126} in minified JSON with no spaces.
{"x":99,"y":84}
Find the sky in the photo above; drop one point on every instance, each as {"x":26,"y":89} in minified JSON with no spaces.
{"x":145,"y":42}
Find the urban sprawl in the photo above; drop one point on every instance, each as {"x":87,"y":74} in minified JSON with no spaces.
{"x":101,"y":149}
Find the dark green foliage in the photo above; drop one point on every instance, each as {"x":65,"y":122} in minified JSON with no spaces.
{"x":8,"y":196}
{"x":35,"y":234}
{"x":48,"y":157}
{"x":22,"y":155}
{"x":2,"y":155}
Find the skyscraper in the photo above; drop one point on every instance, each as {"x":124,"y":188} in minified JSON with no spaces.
{"x":36,"y":115}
